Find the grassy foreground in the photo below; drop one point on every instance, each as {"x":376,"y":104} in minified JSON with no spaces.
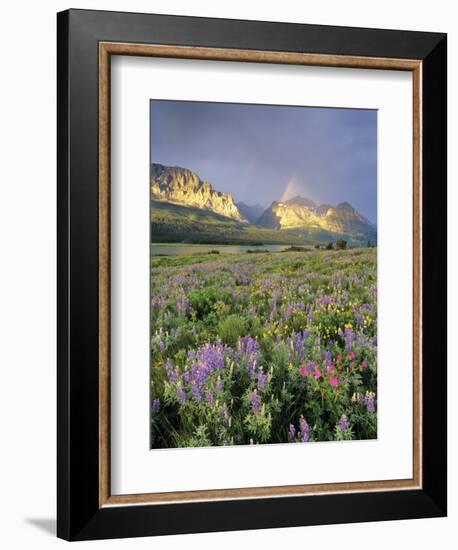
{"x":263,"y":348}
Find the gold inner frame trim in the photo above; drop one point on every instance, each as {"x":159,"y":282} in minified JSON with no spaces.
{"x":106,"y":50}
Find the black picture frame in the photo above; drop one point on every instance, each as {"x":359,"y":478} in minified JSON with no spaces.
{"x":80,"y":516}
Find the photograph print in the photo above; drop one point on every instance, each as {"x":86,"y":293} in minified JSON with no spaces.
{"x":263,"y":267}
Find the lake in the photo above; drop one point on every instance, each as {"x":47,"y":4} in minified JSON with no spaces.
{"x":177,"y":249}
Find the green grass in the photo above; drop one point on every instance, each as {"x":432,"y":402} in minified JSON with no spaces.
{"x":175,"y":223}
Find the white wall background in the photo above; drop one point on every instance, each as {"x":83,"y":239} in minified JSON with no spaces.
{"x":27,"y":270}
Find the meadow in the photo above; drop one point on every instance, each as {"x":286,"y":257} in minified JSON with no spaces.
{"x":276,"y":347}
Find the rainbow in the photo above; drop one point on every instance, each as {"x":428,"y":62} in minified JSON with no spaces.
{"x":291,"y":189}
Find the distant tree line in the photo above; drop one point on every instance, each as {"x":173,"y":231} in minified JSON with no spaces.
{"x":340,"y":245}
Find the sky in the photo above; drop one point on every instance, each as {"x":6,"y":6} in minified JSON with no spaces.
{"x":265,"y":153}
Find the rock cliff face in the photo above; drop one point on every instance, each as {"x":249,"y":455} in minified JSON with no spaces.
{"x":302,"y":212}
{"x":345,"y":219}
{"x":282,"y":215}
{"x":182,"y":186}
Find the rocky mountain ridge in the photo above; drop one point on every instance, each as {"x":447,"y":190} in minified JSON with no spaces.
{"x":301,"y":211}
{"x":182,"y":186}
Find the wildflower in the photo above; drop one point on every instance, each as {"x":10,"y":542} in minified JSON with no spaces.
{"x":349,"y":336}
{"x":155,"y":406}
{"x":182,"y":305}
{"x":299,"y":341}
{"x":196,"y":392}
{"x":261,"y":380}
{"x":209,"y":397}
{"x":364,"y":365}
{"x":181,"y":394}
{"x":330,"y":368}
{"x":292,"y":432}
{"x":352,"y":355}
{"x":255,"y":401}
{"x":303,"y":371}
{"x":334,"y":382}
{"x":305,"y":429}
{"x":343,"y":423}
{"x":369,"y":401}
{"x":218,"y":385}
{"x":173,"y":373}
{"x":212,"y":356}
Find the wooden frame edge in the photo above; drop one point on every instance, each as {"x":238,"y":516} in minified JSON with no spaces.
{"x":104,"y":276}
{"x":256,"y":56}
{"x":106,"y":49}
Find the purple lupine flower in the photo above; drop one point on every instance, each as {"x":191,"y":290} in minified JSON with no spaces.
{"x":250,"y":345}
{"x":369,"y":401}
{"x":181,"y":394}
{"x":298,"y":343}
{"x":305,"y":429}
{"x":261,"y":379}
{"x":292,"y":432}
{"x":325,"y":300}
{"x":255,"y":401}
{"x":349,"y":336}
{"x":212,"y":356}
{"x":343,"y":423}
{"x":161,"y":345}
{"x":172,"y":373}
{"x":251,"y":364}
{"x":196,"y":392}
{"x":218,"y":385}
{"x":209,"y":397}
{"x":360,"y":319}
{"x":155,"y":406}
{"x":187,"y":377}
{"x":288,"y":312}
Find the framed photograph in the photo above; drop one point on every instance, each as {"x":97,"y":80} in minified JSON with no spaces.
{"x":252,"y":275}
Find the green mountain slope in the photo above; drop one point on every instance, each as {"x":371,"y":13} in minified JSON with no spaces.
{"x":176,"y":223}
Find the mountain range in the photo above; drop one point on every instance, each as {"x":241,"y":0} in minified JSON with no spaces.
{"x":251,"y":212}
{"x":184,"y":207}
